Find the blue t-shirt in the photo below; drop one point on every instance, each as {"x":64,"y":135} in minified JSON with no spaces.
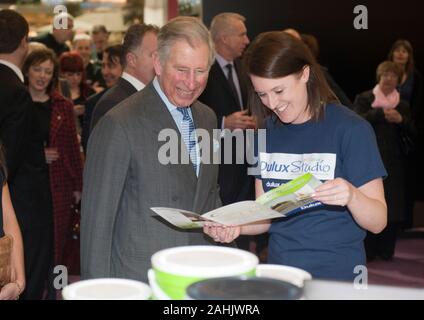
{"x":325,"y":241}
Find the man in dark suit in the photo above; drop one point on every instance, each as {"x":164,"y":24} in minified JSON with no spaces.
{"x":62,"y":31}
{"x":140,"y":42}
{"x":26,"y":164}
{"x":225,"y":93}
{"x":111,"y":71}
{"x":124,"y":175}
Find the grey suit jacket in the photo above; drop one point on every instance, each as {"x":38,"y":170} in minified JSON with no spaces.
{"x":123,"y":179}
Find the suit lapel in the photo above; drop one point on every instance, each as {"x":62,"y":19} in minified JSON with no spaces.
{"x":242,"y":81}
{"x":162,"y":119}
{"x":217,"y":71}
{"x":199,"y":123}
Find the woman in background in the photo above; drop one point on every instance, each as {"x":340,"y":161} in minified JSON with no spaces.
{"x":82,"y":44}
{"x":388,"y":115}
{"x":411,"y":90}
{"x":71,"y":66}
{"x":62,"y":151}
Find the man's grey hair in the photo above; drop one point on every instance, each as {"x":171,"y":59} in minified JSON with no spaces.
{"x":223,"y":23}
{"x":189,"y":29}
{"x":134,"y":37}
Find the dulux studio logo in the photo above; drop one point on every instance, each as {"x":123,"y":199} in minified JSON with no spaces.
{"x":287,"y":166}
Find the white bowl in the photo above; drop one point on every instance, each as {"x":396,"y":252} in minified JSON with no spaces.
{"x":107,"y":289}
{"x":292,"y":275}
{"x":204,"y":261}
{"x":177,"y":268}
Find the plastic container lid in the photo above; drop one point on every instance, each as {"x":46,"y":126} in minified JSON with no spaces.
{"x":204,"y":261}
{"x":293,"y":275}
{"x":107,"y":289}
{"x":243,"y":288}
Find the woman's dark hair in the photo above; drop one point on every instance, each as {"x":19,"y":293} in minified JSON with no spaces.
{"x":115,"y":54}
{"x":312,"y":43}
{"x":276,"y":54}
{"x":73,"y":62}
{"x":410,"y":65}
{"x":37,"y":57}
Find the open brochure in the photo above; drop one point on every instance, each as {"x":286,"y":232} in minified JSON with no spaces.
{"x":286,"y":200}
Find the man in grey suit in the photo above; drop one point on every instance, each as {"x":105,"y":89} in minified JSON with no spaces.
{"x":124,"y":177}
{"x":140,"y":42}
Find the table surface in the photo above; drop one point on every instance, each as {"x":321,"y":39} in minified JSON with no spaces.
{"x":335,"y":290}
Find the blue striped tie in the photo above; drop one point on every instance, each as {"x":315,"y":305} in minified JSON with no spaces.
{"x":189,"y":136}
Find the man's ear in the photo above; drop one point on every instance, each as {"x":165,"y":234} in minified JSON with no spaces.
{"x":156,"y":63}
{"x":224,"y":38}
{"x":130,"y":59}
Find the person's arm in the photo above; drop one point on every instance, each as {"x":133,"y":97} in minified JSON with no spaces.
{"x":10,"y":225}
{"x":362,"y":105}
{"x":105,"y":173}
{"x":226,"y":234}
{"x":407,"y":122}
{"x":15,"y":130}
{"x":72,"y":148}
{"x":366,"y":203}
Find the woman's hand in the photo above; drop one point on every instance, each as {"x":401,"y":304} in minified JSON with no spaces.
{"x":77,"y":196}
{"x":393,"y":116}
{"x":240,"y":120}
{"x":79,"y":110}
{"x":51,"y":155}
{"x":337,"y":192}
{"x":221,"y":233}
{"x":97,"y":87}
{"x":10,"y":291}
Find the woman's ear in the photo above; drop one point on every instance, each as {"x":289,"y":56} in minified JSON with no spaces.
{"x":305,"y":74}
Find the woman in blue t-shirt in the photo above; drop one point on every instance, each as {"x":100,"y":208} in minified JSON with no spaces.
{"x":307,"y":132}
{"x":9,"y":226}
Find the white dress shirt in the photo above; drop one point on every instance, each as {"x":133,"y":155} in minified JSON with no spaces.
{"x":137,"y":84}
